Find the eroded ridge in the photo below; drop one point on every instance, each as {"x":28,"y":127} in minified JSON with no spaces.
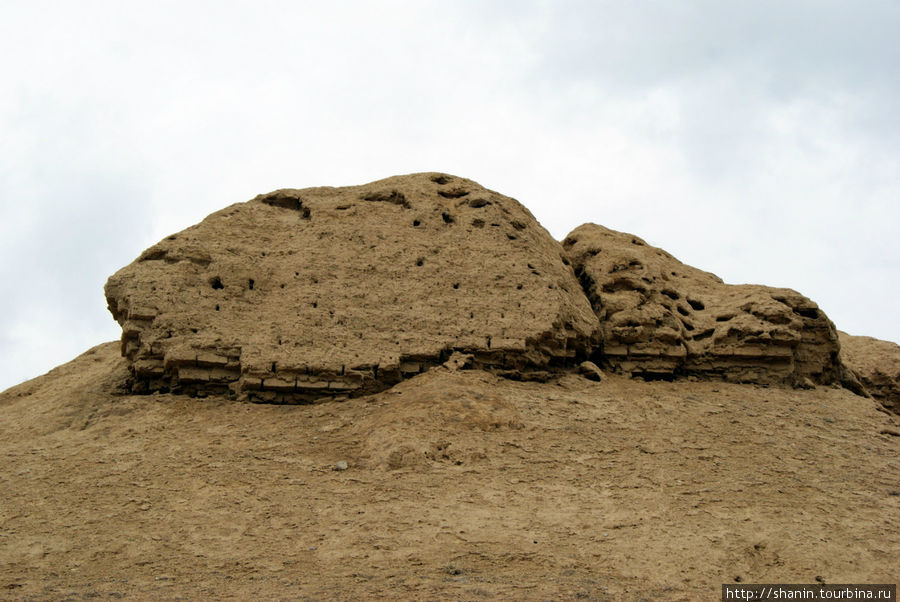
{"x":661,"y":318}
{"x":332,"y":292}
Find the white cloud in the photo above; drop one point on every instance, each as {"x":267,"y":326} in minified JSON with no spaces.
{"x":758,"y":140}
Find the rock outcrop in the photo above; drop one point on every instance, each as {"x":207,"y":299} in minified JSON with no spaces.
{"x":300,"y":294}
{"x":661,"y":318}
{"x":876,"y":364}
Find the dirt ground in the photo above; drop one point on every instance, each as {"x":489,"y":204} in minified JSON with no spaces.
{"x":459,"y":485}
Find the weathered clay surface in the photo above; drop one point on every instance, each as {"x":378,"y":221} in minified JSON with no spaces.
{"x":661,"y":318}
{"x":632,"y":490}
{"x":876,"y":364}
{"x":300,"y":294}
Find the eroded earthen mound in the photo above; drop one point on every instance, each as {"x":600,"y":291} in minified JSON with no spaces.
{"x":299,"y":294}
{"x":661,"y":317}
{"x":458,"y":485}
{"x":876,"y":364}
{"x":454,"y":483}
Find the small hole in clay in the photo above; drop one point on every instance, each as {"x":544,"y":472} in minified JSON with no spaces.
{"x":453,"y":194}
{"x":671,"y":294}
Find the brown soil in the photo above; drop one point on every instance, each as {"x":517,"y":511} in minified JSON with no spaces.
{"x":460,"y":485}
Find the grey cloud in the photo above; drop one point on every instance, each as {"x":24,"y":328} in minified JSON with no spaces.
{"x":755,"y":139}
{"x":780,"y":48}
{"x":84,"y":208}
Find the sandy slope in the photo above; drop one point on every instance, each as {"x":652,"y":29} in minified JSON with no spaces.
{"x":460,"y":485}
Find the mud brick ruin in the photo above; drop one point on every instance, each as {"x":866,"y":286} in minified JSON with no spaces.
{"x":300,"y":295}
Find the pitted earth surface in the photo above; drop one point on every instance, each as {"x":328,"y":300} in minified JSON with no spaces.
{"x":663,"y":318}
{"x":303,"y":294}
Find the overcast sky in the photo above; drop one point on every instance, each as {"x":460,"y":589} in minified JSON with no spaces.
{"x":759,"y":140}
